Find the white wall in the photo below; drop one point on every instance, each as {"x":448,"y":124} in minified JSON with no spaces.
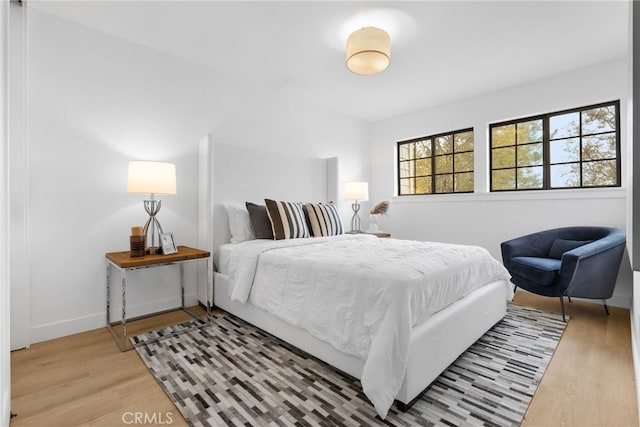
{"x":18,"y":176}
{"x":487,"y":219}
{"x":96,"y":102}
{"x":5,"y":308}
{"x":633,"y":204}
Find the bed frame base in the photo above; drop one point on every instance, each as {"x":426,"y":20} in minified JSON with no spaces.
{"x":404,"y":407}
{"x":435,"y":344}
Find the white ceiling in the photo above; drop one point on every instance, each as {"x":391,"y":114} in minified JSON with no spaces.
{"x":440,"y":50}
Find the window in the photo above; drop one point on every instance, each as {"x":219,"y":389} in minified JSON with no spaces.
{"x":440,"y":164}
{"x":576,"y":148}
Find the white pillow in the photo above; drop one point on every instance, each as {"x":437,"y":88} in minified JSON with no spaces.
{"x":239,"y":222}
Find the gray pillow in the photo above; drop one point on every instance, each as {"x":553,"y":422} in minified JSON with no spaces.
{"x":260,"y":221}
{"x":560,"y":246}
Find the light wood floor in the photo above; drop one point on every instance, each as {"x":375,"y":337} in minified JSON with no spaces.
{"x":84,"y":379}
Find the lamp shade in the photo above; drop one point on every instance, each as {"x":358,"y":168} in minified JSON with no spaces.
{"x":368,"y":51}
{"x":356,"y":191}
{"x":151,"y":177}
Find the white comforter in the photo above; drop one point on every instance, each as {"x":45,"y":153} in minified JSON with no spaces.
{"x":361,"y":294}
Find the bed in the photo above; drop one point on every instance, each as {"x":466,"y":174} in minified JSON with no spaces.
{"x":398,"y":350}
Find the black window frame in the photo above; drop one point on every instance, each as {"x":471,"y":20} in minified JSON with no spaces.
{"x":433,"y":157}
{"x":546,"y":149}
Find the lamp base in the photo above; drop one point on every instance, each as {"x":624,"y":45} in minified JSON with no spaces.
{"x":355,"y":220}
{"x":152,"y":228}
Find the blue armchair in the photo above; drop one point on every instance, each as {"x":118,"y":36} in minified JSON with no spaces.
{"x":580,"y":262}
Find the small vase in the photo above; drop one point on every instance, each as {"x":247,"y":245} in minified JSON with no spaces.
{"x":373,"y":224}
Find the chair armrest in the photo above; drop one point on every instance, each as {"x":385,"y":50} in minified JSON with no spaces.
{"x":597,"y":246}
{"x":591,"y":270}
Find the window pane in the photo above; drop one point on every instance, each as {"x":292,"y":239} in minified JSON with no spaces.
{"x":503,"y":158}
{"x":444,"y":144}
{"x":565,"y":150}
{"x":503,"y":179}
{"x":407,"y":186}
{"x":502,"y":136}
{"x":564,"y":125}
{"x":530,"y":155}
{"x":420,"y":161}
{"x":567,"y":175}
{"x":444,"y":164}
{"x":444,"y":183}
{"x":463,"y":162}
{"x":601,"y":172}
{"x":570,"y":149}
{"x":463,"y":182}
{"x":423,"y":185}
{"x":599,"y":120}
{"x":407,"y":151}
{"x":530,"y":132}
{"x":530,"y":177}
{"x":407,"y":169}
{"x":423,"y":149}
{"x":599,"y":147}
{"x":423,"y":167}
{"x":463,"y":141}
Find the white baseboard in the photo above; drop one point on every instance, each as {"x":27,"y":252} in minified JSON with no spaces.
{"x":614,"y":301}
{"x":76,"y":325}
{"x":635,"y":342}
{"x":6,"y":408}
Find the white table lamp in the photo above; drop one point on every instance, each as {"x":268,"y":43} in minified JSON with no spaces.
{"x":152,"y":178}
{"x":358,"y":192}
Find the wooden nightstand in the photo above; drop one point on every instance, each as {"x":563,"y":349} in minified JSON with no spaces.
{"x":124,"y":262}
{"x":381,"y":235}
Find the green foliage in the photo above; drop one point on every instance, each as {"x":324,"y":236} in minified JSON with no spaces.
{"x":598,"y":152}
{"x":442,"y":164}
{"x":582,"y":151}
{"x":516,"y":145}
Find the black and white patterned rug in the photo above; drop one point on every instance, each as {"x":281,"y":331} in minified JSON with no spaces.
{"x":228,"y":372}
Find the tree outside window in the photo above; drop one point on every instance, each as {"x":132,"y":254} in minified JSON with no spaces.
{"x":436,"y":164}
{"x":576,"y":148}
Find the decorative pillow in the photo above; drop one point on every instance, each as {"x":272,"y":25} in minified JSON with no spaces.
{"x":323,"y":219}
{"x":239,"y":223}
{"x":287,"y":220}
{"x":260,"y":221}
{"x":560,"y":246}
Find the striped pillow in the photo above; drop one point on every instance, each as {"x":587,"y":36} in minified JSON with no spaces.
{"x":287,"y":220}
{"x":323,"y":219}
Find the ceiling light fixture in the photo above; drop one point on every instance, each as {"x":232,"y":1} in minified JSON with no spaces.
{"x":368,"y":51}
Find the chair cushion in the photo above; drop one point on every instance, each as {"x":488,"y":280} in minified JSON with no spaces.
{"x":542,"y":271}
{"x":560,"y":246}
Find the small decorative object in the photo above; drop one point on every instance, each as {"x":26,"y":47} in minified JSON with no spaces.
{"x":167,"y":245}
{"x":137,"y":242}
{"x":152,"y":178}
{"x":358,"y":192}
{"x":379,"y":209}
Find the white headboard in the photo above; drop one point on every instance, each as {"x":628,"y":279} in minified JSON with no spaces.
{"x":236,"y":174}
